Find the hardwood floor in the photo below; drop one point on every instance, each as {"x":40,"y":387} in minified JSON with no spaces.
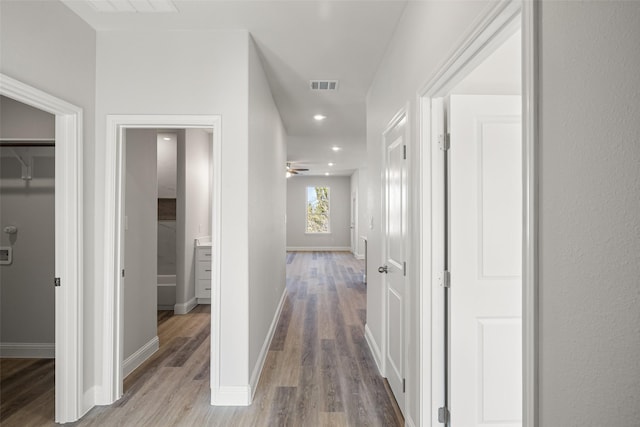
{"x":26,"y":392}
{"x":318,"y":371}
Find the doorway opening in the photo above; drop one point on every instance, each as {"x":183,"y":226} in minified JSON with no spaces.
{"x":203,"y":230}
{"x":68,"y":237}
{"x":480,"y":221}
{"x":27,"y":262}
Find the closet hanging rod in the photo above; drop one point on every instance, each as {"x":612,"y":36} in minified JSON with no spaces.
{"x":27,"y":144}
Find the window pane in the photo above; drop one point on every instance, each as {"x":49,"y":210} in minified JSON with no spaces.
{"x":317,"y":210}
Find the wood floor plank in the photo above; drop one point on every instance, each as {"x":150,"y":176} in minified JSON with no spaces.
{"x":318,"y":370}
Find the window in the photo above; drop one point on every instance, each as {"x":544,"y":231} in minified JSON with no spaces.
{"x":317,"y":210}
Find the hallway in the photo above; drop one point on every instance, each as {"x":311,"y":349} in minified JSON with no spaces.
{"x":318,"y":371}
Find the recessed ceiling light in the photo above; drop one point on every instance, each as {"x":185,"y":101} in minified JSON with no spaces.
{"x":319,"y":117}
{"x":334,"y":148}
{"x":330,"y":164}
{"x":166,"y":138}
{"x":326,"y":173}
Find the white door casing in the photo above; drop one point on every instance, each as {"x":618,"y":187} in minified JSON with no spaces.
{"x":395,"y":223}
{"x":485,"y":173}
{"x":70,"y":403}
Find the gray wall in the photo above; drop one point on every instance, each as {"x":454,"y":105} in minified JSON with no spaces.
{"x":193,"y":205}
{"x":339,"y":216}
{"x":27,"y":311}
{"x":267,"y":198}
{"x":37,"y":52}
{"x":140,"y":295}
{"x":589,"y":214}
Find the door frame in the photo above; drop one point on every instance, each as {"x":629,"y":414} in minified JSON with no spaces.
{"x":400,"y":117}
{"x":112,"y":374}
{"x":69,"y":315}
{"x":489,"y":31}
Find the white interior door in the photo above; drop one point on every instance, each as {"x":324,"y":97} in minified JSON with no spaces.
{"x":394,"y":266}
{"x":485,"y":260}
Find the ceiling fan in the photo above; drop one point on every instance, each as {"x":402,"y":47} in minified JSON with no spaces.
{"x":294,"y":171}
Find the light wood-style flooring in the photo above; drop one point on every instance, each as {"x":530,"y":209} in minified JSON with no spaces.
{"x":318,"y":371}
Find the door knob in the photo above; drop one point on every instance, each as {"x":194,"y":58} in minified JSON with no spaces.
{"x":383,"y":269}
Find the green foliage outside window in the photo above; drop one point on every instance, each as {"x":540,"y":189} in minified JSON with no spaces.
{"x":317,"y":209}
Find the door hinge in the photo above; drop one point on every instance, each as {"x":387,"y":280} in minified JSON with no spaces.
{"x":445,"y":279}
{"x":56,"y":281}
{"x":443,"y":415}
{"x":404,"y":152}
{"x":404,"y":268}
{"x":444,"y":141}
{"x":123,"y":272}
{"x":404,"y":385}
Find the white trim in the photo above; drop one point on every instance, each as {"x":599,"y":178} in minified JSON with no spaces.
{"x":257,"y":369}
{"x":23,"y":350}
{"x":530,"y":212}
{"x":375,"y":350}
{"x":359,"y":256}
{"x":232,"y":395}
{"x":318,"y":249}
{"x":69,"y":405}
{"x":186,"y":307}
{"x":111,"y":375}
{"x":408,"y":421}
{"x":132,"y":362}
{"x":203,"y":300}
{"x":492,"y":28}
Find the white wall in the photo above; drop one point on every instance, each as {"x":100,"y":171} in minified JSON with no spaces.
{"x":589,"y":213}
{"x":426,"y":35}
{"x":140,"y":235}
{"x":167,"y":189}
{"x":45,"y":45}
{"x":193,"y":217}
{"x":190,"y":72}
{"x":339,"y":213}
{"x":27,"y":312}
{"x":267,"y":198}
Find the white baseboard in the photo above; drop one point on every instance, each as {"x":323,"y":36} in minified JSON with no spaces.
{"x":375,"y":350}
{"x":203,"y":300}
{"x":318,"y":249}
{"x":138,"y":358}
{"x":257,"y":369}
{"x":359,"y":256}
{"x":20,"y":350}
{"x":185,"y":307}
{"x":408,"y":421}
{"x":231,"y":396}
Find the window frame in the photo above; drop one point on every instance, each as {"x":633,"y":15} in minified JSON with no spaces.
{"x":306,"y":204}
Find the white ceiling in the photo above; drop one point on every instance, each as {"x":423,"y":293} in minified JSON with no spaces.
{"x":299,"y":40}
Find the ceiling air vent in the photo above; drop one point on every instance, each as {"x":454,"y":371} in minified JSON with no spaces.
{"x":324,"y":85}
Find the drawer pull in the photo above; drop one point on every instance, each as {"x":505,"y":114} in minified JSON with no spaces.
{"x":207,"y":289}
{"x":207,"y":254}
{"x":207,"y":270}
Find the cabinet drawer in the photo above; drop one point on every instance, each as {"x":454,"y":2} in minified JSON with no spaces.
{"x":203,"y":254}
{"x":203,"y":270}
{"x":203,"y":289}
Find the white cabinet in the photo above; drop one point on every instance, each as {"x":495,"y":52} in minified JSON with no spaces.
{"x":203,"y":270}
